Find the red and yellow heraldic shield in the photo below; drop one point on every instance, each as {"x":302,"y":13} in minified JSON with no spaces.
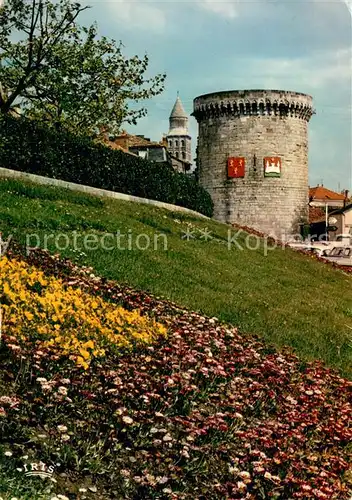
{"x":236,"y":167}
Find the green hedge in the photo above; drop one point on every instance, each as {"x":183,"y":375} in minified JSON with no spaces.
{"x":31,"y":147}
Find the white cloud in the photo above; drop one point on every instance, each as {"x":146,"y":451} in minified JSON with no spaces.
{"x":312,"y":72}
{"x":142,"y":15}
{"x":223,"y":8}
{"x":316,"y":71}
{"x":147,"y":15}
{"x":349,"y":5}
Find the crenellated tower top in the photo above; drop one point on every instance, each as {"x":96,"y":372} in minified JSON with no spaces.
{"x":254,"y":103}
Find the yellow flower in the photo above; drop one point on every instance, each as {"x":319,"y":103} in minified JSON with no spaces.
{"x":80,"y":362}
{"x":84,"y":353}
{"x":89,"y":327}
{"x":28,"y":315}
{"x":89,"y":345}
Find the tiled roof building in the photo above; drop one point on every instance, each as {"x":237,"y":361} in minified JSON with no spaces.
{"x":175,"y":148}
{"x":321,"y":196}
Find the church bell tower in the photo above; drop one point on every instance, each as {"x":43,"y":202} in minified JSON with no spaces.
{"x":178,"y":138}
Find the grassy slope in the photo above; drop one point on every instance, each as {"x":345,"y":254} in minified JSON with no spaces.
{"x":285,"y":297}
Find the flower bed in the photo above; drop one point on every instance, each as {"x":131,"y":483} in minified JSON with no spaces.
{"x":41,"y":310}
{"x":205,"y":413}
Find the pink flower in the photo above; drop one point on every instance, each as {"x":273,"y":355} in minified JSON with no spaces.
{"x":241,"y":486}
{"x":62,"y":391}
{"x":127,"y":420}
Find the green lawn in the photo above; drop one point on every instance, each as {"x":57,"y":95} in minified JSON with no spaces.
{"x":284,"y":297}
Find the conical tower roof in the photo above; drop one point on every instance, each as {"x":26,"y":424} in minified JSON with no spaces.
{"x":178,"y":110}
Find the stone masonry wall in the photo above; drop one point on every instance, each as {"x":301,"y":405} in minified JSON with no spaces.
{"x":254,"y":125}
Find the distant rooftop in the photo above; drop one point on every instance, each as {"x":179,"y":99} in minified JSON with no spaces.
{"x":322,"y":193}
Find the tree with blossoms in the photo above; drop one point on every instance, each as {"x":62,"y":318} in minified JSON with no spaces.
{"x":55,"y":70}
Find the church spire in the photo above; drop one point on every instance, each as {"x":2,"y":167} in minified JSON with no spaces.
{"x":178,"y":110}
{"x":179,"y":141}
{"x":178,"y":119}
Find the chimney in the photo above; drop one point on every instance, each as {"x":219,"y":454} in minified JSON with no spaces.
{"x":346,"y":198}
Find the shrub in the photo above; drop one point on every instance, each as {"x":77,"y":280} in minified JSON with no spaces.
{"x":31,"y":147}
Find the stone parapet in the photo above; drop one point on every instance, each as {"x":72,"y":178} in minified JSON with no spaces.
{"x":253,"y":103}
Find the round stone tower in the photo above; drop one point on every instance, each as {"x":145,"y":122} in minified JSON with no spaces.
{"x":253,"y":157}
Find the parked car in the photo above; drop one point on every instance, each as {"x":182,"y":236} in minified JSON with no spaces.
{"x":320,"y":248}
{"x":345,"y":239}
{"x":342,"y":255}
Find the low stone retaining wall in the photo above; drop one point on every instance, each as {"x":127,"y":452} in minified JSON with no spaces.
{"x":48,"y":181}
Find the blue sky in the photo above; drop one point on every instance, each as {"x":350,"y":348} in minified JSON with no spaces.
{"x":212,"y":45}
